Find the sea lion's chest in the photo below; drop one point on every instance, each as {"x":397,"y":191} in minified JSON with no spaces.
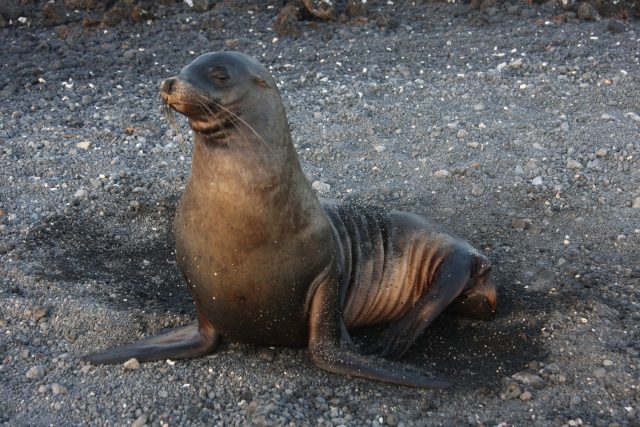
{"x":251,"y":285}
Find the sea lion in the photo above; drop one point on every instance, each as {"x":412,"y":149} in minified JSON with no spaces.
{"x":267,"y":263}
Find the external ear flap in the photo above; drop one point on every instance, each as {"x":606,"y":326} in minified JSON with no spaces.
{"x":262,"y":82}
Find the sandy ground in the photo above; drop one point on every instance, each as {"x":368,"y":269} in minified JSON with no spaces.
{"x":516,"y":130}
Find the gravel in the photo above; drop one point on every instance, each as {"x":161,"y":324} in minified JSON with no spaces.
{"x":514,"y":126}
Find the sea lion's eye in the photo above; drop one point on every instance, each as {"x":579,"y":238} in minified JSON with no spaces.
{"x":219,"y":74}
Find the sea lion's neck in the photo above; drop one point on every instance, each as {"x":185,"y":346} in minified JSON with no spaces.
{"x":250,"y":184}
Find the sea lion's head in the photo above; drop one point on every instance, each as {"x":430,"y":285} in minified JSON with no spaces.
{"x":228,"y":97}
{"x":479,"y":299}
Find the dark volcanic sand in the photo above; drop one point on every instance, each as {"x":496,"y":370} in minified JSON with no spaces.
{"x":514,"y":130}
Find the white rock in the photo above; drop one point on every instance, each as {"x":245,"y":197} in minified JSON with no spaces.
{"x":573,"y":164}
{"x":85,"y":145}
{"x":321,"y":187}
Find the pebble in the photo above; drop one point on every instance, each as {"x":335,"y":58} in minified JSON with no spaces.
{"x":528,"y":378}
{"x":441,"y":173}
{"x":321,"y":187}
{"x":36,"y":372}
{"x":615,"y":26}
{"x":525,"y":396}
{"x":600,"y":373}
{"x":140,"y":421}
{"x":131,"y":364}
{"x":636,"y":203}
{"x":587,"y":12}
{"x":266,"y":354}
{"x":511,"y":392}
{"x":537,"y":181}
{"x":461,"y":133}
{"x":39,"y":313}
{"x":392,"y":420}
{"x":633,"y":116}
{"x":58,"y":389}
{"x":573,"y":164}
{"x":521,"y":223}
{"x":84,"y":145}
{"x":477,"y":190}
{"x":543,"y":281}
{"x":163,"y":394}
{"x":379,"y":148}
{"x":81,"y":194}
{"x":607,"y":362}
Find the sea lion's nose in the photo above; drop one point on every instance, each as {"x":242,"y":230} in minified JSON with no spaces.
{"x":167,"y":85}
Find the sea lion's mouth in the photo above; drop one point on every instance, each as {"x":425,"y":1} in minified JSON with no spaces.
{"x":210,"y":121}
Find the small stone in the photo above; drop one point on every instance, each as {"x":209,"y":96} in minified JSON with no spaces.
{"x":607,"y":362}
{"x":587,"y":12}
{"x":44,"y":388}
{"x":58,"y":389}
{"x":131,"y":364}
{"x":478,"y":107}
{"x":163,"y":394}
{"x":477,"y":190}
{"x":516,"y":64}
{"x":511,"y":392}
{"x":442,"y":173}
{"x":633,"y":116}
{"x":542,"y":281}
{"x":600,"y":373}
{"x":575,"y":400}
{"x":321,"y":187}
{"x":573,"y":164}
{"x":521,"y":223}
{"x":266,"y":355}
{"x":379,"y":148}
{"x":80,"y":194}
{"x":86,"y":369}
{"x":134,"y":205}
{"x":392,"y":420}
{"x":601,"y":152}
{"x":530,"y":379}
{"x":85,"y":145}
{"x":140,"y":421}
{"x":36,"y":372}
{"x":537,"y":181}
{"x":38,"y":313}
{"x":462,"y":133}
{"x":592,"y":164}
{"x":615,"y":26}
{"x":636,"y":203}
{"x":525,"y":396}
{"x":317,"y":115}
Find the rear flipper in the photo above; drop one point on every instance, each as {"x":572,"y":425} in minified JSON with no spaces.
{"x":453,"y":277}
{"x":180,"y":343}
{"x":327,"y":354}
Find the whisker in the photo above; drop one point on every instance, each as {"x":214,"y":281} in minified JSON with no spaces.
{"x":170,"y":115}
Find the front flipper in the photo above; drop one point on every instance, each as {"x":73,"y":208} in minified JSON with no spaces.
{"x":327,"y":354}
{"x":180,"y":343}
